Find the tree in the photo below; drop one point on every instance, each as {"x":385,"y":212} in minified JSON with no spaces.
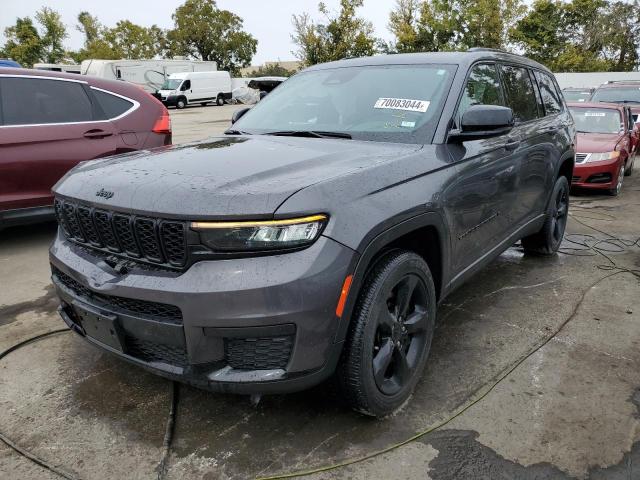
{"x":436,"y":25}
{"x":580,"y":35}
{"x":342,"y":36}
{"x":135,"y":41}
{"x":54,"y":34}
{"x":23,"y":44}
{"x":271,"y":70}
{"x":204,"y":31}
{"x":95,"y":44}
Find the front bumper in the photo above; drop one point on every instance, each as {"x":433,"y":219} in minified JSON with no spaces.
{"x":596,"y":175}
{"x":250,"y":325}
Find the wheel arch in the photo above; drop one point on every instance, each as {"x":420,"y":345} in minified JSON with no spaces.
{"x":424,"y":234}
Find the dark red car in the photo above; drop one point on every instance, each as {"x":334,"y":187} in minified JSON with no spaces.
{"x":49,"y":122}
{"x":604,"y":148}
{"x":624,"y":92}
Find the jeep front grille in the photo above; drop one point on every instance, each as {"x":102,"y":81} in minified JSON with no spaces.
{"x":154,"y":240}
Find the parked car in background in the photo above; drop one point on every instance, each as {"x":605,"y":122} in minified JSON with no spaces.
{"x":319,"y":234}
{"x":4,"y":62}
{"x":577,"y":94}
{"x":49,"y":122}
{"x":188,"y":88}
{"x":626,"y":92}
{"x":603,"y":150}
{"x":149,"y":75}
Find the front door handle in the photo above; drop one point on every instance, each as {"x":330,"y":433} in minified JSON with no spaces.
{"x":511,"y":144}
{"x":96,"y":133}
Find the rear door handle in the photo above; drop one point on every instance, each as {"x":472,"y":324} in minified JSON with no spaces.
{"x":511,"y":144}
{"x":96,"y":134}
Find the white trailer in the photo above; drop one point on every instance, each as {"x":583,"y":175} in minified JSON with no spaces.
{"x":592,"y":79}
{"x":57,"y":67}
{"x":147,"y":74}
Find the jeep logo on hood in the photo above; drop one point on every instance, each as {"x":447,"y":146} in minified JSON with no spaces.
{"x":104,"y":193}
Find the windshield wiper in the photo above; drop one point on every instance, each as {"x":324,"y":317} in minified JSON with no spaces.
{"x":309,"y":133}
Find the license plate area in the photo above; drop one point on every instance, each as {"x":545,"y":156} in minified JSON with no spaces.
{"x":102,"y":327}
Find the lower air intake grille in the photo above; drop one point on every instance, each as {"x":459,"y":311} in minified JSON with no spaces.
{"x":258,"y":353}
{"x":153,"y":310}
{"x":156,"y":352}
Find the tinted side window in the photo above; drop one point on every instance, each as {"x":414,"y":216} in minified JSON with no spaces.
{"x":186,"y":85}
{"x":28,"y":101}
{"x":482,"y":88}
{"x":111,"y":105}
{"x":520,"y":95}
{"x":550,"y":97}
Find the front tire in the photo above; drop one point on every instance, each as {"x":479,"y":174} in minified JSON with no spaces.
{"x":390,"y":334}
{"x":615,"y":191}
{"x":548,"y":239}
{"x":181,"y":103}
{"x":220,"y":100}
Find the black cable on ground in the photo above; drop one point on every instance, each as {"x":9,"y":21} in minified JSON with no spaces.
{"x":588,"y":243}
{"x":168,"y":434}
{"x":487,"y":390}
{"x":10,"y":443}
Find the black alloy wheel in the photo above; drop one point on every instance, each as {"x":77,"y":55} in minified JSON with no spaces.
{"x":390,"y":334}
{"x":400,"y":336}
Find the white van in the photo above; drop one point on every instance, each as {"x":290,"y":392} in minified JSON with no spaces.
{"x":147,"y":74}
{"x":182,"y":89}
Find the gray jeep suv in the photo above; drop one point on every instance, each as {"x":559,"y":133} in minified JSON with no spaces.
{"x":319,"y":234}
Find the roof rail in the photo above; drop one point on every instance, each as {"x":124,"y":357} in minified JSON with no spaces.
{"x":621,"y":81}
{"x":486,"y":49}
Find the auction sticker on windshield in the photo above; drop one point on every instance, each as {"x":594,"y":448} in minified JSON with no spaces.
{"x":403,"y":104}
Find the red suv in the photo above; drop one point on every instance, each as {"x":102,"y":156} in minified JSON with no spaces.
{"x":604,"y":150}
{"x":49,"y":122}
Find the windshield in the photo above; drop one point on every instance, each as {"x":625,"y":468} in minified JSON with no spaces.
{"x":597,"y":120}
{"x":617,"y":94}
{"x":171,"y":84}
{"x":576,"y":95}
{"x":399,"y":103}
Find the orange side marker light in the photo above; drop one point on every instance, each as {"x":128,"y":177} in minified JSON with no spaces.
{"x":343,"y":295}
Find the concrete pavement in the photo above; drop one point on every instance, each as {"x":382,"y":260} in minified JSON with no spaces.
{"x":544,"y":354}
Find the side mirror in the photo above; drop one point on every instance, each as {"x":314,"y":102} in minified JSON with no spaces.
{"x":483,"y":121}
{"x":262,"y":94}
{"x":237,"y":115}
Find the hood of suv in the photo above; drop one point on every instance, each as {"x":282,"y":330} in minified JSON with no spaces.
{"x":597,"y":142}
{"x":226,"y":177}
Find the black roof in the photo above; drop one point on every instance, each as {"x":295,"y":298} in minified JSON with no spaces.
{"x":464,"y":59}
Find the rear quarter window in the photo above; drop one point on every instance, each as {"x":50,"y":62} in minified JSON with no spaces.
{"x":521,"y":97}
{"x":112,"y":105}
{"x":31,"y":101}
{"x":550,"y":96}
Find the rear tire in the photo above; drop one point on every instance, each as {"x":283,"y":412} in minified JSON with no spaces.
{"x":220,"y":100}
{"x":389,"y":336}
{"x":548,"y":239}
{"x":181,"y":103}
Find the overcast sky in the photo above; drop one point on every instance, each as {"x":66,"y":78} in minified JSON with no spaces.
{"x":268,"y":21}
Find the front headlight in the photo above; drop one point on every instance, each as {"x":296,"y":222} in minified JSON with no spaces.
{"x":598,"y":157}
{"x":260,"y":235}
